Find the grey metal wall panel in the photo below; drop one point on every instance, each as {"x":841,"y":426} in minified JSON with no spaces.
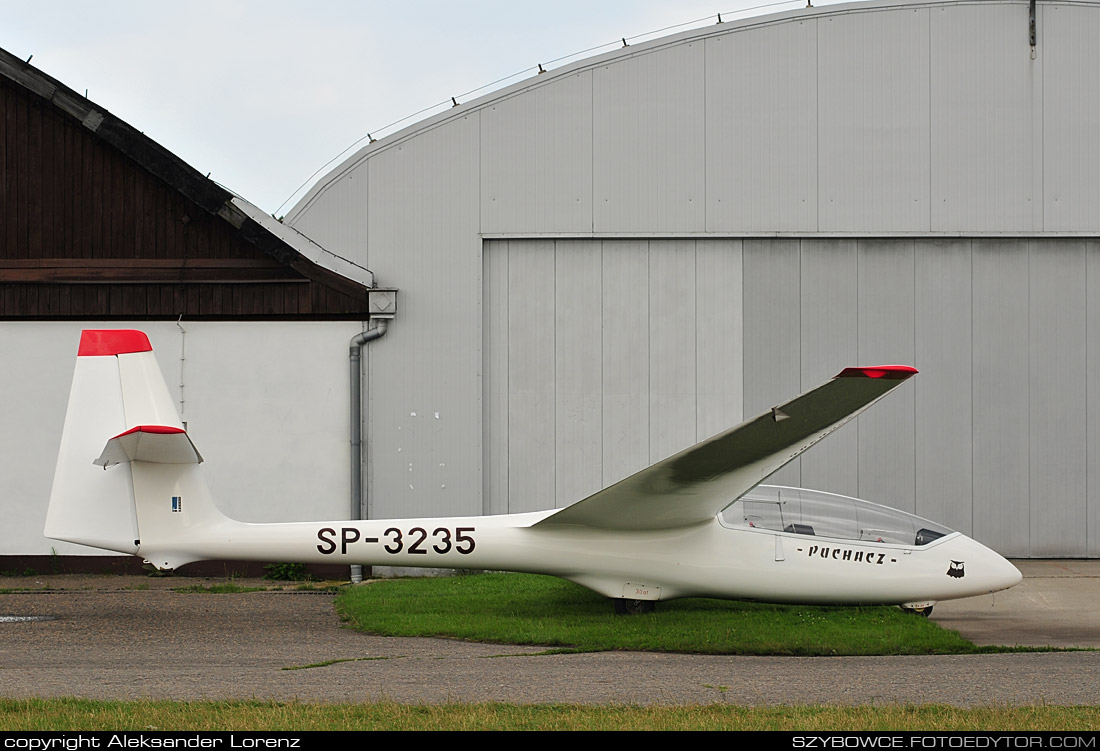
{"x":983,"y":84}
{"x":1092,"y":395}
{"x":772,"y":332}
{"x":1057,"y":398}
{"x":761,"y":135}
{"x":424,"y":375}
{"x":536,"y":159}
{"x":626,"y":341}
{"x":828,"y":345}
{"x":719,"y":346}
{"x":887,"y":454}
{"x":883,"y":117}
{"x":649,"y":148}
{"x":494,"y":379}
{"x":339,"y":224}
{"x":944,"y":354}
{"x":873,"y":121}
{"x":532,"y":391}
{"x":1071,"y":117}
{"x":1000,"y":393}
{"x":578,"y":283}
{"x":672,"y":379}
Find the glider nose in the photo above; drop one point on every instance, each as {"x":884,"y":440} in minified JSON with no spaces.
{"x":993,"y":572}
{"x":1007,"y":576}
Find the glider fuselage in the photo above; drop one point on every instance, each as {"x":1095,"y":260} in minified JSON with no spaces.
{"x":697,"y":523}
{"x":709,"y":559}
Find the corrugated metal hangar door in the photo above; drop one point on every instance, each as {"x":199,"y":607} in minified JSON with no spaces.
{"x":601,"y":356}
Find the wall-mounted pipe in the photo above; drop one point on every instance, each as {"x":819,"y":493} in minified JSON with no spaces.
{"x":355,"y":354}
{"x":1032,"y":36}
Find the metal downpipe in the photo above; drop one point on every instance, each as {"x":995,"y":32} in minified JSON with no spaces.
{"x":355,"y":364}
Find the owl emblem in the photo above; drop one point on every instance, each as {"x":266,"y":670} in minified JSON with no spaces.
{"x":956,"y":569}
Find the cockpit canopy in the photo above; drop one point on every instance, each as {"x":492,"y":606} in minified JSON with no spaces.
{"x":813,"y":512}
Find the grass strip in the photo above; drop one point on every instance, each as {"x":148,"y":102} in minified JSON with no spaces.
{"x":547,"y":611}
{"x":80,"y":714}
{"x":229,"y":588}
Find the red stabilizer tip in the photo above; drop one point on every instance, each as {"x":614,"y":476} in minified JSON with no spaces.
{"x":889,"y":372}
{"x":101,"y":342}
{"x":151,"y":429}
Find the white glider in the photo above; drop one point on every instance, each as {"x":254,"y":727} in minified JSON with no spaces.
{"x":696,"y":524}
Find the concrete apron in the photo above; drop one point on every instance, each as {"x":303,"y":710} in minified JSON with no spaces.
{"x":1056,"y":605}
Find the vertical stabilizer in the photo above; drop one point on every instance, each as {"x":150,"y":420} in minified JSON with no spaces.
{"x":87,"y":504}
{"x":120,"y":413}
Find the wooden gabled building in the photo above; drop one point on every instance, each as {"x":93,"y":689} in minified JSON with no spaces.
{"x":98,"y":221}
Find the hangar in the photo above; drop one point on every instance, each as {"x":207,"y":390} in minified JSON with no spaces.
{"x":609,"y":261}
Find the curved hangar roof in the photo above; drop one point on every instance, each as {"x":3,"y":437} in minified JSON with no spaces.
{"x":876,"y":117}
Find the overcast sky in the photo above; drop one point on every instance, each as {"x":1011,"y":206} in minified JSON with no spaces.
{"x":261,"y":93}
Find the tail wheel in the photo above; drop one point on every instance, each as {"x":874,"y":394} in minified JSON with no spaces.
{"x":634,"y":607}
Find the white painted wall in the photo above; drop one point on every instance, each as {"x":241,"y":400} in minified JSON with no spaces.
{"x":266,"y":403}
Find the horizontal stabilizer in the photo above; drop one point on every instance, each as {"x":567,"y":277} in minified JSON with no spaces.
{"x":162,"y":444}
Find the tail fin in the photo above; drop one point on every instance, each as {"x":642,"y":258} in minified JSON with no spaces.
{"x":119,"y":398}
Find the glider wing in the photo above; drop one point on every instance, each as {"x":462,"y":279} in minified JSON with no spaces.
{"x":692,"y":486}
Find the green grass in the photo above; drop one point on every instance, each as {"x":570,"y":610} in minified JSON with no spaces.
{"x":326,"y":663}
{"x":312,"y":587}
{"x":228,"y":588}
{"x":546,"y":611}
{"x":232,"y":588}
{"x":290,"y":572}
{"x":78,"y":714}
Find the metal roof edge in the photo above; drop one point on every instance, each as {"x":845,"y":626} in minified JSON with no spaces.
{"x":304,"y":246}
{"x":537,"y":80}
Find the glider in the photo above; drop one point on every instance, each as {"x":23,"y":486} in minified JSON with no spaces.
{"x":697,"y":524}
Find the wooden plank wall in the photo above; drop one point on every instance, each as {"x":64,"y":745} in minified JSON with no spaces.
{"x":86,"y":232}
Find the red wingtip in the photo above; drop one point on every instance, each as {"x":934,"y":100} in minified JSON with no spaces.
{"x":102,"y":342}
{"x":889,"y":372}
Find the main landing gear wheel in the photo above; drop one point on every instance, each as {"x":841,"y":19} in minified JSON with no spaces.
{"x":925,"y":611}
{"x":634,"y":607}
